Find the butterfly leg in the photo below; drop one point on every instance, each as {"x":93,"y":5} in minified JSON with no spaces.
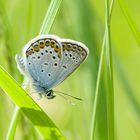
{"x":20,"y":64}
{"x":39,"y":96}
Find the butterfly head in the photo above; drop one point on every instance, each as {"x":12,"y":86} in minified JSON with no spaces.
{"x":49,"y":94}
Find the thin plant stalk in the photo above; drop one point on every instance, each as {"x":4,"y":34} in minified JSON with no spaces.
{"x":50,"y":16}
{"x":109,"y":74}
{"x":94,"y":114}
{"x":13,"y":124}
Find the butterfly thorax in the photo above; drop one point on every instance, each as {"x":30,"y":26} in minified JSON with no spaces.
{"x":42,"y":90}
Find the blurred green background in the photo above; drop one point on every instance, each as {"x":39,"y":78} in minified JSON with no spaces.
{"x":83,"y":21}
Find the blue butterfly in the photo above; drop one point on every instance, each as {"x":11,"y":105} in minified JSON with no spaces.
{"x":48,"y":60}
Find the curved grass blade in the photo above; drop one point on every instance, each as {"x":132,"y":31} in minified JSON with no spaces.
{"x":94,"y":114}
{"x":35,"y":114}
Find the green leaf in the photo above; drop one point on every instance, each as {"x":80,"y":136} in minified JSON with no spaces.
{"x":26,"y":104}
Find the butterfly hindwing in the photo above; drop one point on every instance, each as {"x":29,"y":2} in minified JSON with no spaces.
{"x":74,"y":53}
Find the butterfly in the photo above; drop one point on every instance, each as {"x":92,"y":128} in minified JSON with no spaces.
{"x":48,"y":60}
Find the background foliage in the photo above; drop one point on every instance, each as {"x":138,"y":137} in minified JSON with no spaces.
{"x":84,"y":21}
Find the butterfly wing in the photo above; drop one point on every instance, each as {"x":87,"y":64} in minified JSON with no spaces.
{"x":74,"y":53}
{"x":43,"y":57}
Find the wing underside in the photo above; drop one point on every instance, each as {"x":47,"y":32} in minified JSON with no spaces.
{"x":49,"y":60}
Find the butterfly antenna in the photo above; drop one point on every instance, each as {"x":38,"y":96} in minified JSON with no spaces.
{"x":77,"y":98}
{"x":68,"y":100}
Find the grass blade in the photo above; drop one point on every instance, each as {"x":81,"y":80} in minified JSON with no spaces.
{"x":109,"y":74}
{"x":94,"y":114}
{"x":35,"y":114}
{"x":13,"y":124}
{"x":130,"y":21}
{"x":50,"y":16}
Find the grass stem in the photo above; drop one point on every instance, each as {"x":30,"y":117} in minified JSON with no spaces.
{"x":94,"y":114}
{"x":109,"y":74}
{"x":50,"y":16}
{"x":13,"y":124}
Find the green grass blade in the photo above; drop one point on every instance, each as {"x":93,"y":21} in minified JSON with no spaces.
{"x":13,"y":124}
{"x":94,"y":114}
{"x":50,"y":16}
{"x":130,"y":21}
{"x":109,"y":75}
{"x":35,"y":114}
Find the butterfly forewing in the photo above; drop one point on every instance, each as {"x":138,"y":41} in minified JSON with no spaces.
{"x":43,"y":57}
